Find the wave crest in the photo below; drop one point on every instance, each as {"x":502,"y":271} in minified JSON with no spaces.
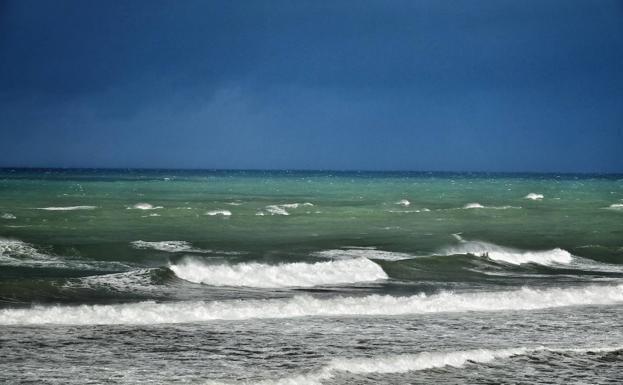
{"x":509,"y":255}
{"x":299,"y":306}
{"x":283,"y":275}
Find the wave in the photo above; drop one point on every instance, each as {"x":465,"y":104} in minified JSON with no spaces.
{"x":8,"y":216}
{"x":402,"y":363}
{"x":403,"y":202}
{"x":615,"y":206}
{"x":556,"y":257}
{"x":67,"y":208}
{"x":283,"y":275}
{"x":14,"y":252}
{"x":168,"y":246}
{"x":534,"y":196}
{"x":358,"y":252}
{"x":299,"y":306}
{"x":145,"y":206}
{"x":507,"y":254}
{"x":225,"y":213}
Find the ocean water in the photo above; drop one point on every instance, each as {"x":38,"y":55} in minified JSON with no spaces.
{"x":251,"y":277}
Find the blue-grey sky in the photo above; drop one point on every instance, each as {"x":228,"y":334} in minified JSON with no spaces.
{"x":496,"y":85}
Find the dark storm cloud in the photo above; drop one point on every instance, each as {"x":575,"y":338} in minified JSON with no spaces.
{"x":489,"y":85}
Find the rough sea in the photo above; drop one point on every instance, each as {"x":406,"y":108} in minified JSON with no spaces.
{"x":279,"y":277}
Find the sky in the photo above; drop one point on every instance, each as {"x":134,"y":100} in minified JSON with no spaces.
{"x":496,"y":85}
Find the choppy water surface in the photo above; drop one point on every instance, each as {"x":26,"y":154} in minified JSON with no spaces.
{"x":194,"y":277}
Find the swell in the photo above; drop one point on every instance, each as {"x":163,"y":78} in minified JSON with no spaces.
{"x":403,"y":363}
{"x":301,"y":306}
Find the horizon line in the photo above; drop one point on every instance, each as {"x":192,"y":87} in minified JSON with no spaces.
{"x":310,"y":170}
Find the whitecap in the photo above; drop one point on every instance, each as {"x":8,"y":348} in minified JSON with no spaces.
{"x":225,"y":213}
{"x":403,"y":202}
{"x":67,"y":208}
{"x":282,"y":275}
{"x":145,"y":206}
{"x":616,"y":206}
{"x":146,"y":313}
{"x":281,"y":208}
{"x":534,"y":196}
{"x":8,"y":216}
{"x":473,"y":206}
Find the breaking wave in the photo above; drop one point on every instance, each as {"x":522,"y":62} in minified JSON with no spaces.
{"x":283,"y":275}
{"x":507,"y":254}
{"x":616,"y":206}
{"x":403,"y":202}
{"x":300,"y":306}
{"x":8,"y":216}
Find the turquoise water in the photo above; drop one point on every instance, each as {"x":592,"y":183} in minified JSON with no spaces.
{"x":335,"y":277}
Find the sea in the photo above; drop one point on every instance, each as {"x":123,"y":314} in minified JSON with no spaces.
{"x":310,"y":277}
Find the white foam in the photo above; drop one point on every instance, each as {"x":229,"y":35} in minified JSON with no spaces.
{"x":299,"y":306}
{"x":616,"y":206}
{"x":67,"y":208}
{"x":507,"y":254}
{"x":168,"y":246}
{"x":403,"y":202}
{"x":534,"y":196}
{"x":8,"y":216}
{"x":360,"y":252}
{"x":225,"y":213}
{"x":282,"y":275}
{"x":276,"y":210}
{"x":145,"y":206}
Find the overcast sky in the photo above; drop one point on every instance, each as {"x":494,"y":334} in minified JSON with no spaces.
{"x":373,"y":85}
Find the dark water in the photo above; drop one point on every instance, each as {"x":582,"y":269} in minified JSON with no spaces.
{"x":137,"y":276}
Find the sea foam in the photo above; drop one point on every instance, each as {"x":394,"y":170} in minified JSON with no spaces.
{"x":300,"y":306}
{"x":534,"y":196}
{"x":282,"y":275}
{"x":168,"y":246}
